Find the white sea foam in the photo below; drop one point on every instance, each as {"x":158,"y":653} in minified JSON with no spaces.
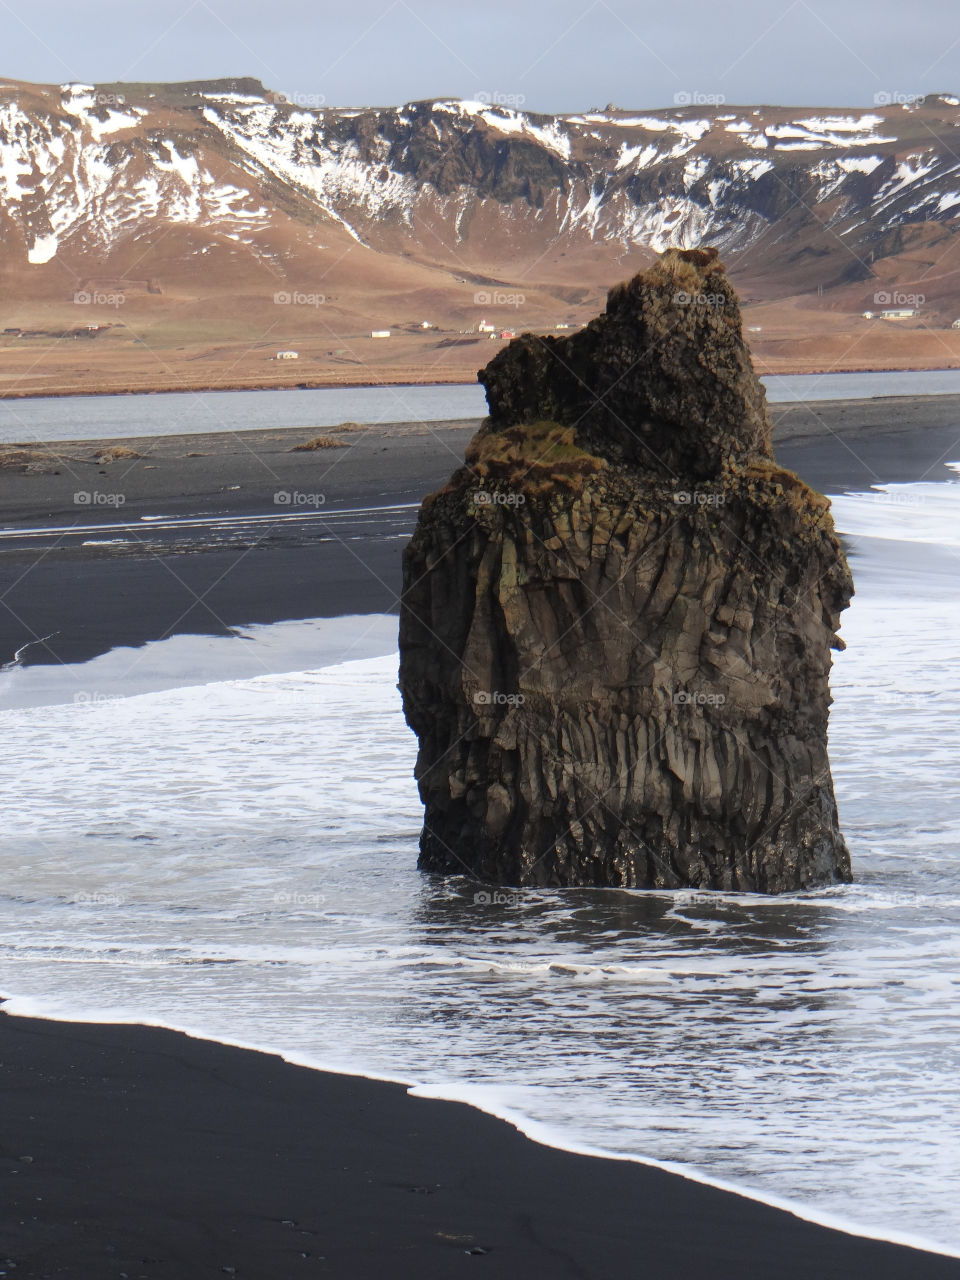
{"x":238,"y":860}
{"x":186,"y":660}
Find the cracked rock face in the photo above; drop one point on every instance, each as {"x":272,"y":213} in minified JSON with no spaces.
{"x":617,"y":617}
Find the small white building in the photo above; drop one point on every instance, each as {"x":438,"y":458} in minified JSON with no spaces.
{"x":955,"y":325}
{"x":898,"y":313}
{"x":379,"y":333}
{"x":869,"y":315}
{"x":288,"y":355}
{"x":425,"y":324}
{"x":485,"y":327}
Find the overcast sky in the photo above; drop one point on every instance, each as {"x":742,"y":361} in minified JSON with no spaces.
{"x":546,"y":55}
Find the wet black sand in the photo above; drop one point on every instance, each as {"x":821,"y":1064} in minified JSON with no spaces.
{"x":87,"y":598}
{"x":137,"y":1152}
{"x":159,"y":582}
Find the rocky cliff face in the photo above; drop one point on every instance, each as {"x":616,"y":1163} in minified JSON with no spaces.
{"x":618,"y":616}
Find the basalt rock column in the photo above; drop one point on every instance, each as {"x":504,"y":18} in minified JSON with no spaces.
{"x":617,"y":616}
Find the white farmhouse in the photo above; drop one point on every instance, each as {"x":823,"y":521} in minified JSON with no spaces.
{"x":288,"y":355}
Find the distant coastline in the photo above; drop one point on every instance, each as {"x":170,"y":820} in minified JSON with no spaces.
{"x":331,"y":384}
{"x":435,"y":379}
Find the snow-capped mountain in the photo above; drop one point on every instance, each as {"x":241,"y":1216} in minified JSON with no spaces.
{"x":163,"y":180}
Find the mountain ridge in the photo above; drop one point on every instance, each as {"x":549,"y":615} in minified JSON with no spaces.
{"x":226,"y":194}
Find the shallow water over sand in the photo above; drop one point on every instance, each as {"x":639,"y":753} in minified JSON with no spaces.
{"x":192,"y":412}
{"x":239,"y":858}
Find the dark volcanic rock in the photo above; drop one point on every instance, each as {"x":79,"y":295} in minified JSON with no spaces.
{"x":618,"y":615}
{"x":657,"y":381}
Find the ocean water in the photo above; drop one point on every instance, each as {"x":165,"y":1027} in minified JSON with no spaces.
{"x":237,"y":858}
{"x":189,"y":412}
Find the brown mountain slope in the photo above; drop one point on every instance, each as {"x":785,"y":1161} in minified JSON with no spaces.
{"x":156,"y":235}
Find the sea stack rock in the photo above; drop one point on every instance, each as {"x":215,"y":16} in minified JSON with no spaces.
{"x":617,"y":617}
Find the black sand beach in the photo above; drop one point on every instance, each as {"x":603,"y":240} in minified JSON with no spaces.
{"x":71,"y":594}
{"x":135,"y":1152}
{"x":141,"y":1153}
{"x":87,"y":598}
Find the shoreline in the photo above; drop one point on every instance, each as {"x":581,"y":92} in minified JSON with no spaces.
{"x":141,"y":1150}
{"x":792,"y":420}
{"x":436,"y":379}
{"x":151,"y":1141}
{"x":201,"y":542}
{"x":308,"y":385}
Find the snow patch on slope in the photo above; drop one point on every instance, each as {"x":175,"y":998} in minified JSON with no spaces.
{"x":43,"y":249}
{"x":752,"y":169}
{"x":841,"y":124}
{"x":817,"y":134}
{"x":692,"y":129}
{"x":16,"y":160}
{"x":505,"y":120}
{"x":325,"y":173}
{"x":907,"y":172}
